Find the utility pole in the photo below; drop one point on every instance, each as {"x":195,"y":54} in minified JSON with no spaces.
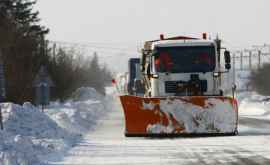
{"x":241,"y":60}
{"x":250,"y":60}
{"x":54,"y":52}
{"x":259,"y":59}
{"x":249,"y":51}
{"x":2,"y":93}
{"x":260,"y":49}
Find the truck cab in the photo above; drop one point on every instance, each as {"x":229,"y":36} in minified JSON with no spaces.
{"x":185,"y":67}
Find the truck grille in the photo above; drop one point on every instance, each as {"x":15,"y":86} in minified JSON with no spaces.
{"x":179,"y":87}
{"x":171,"y":86}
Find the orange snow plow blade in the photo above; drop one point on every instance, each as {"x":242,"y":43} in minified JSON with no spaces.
{"x":173,"y":116}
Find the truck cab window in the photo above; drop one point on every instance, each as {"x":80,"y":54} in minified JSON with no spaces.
{"x":186,"y":59}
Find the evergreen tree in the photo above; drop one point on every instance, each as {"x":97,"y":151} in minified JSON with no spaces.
{"x":25,"y":49}
{"x":22,"y":46}
{"x":95,"y":74}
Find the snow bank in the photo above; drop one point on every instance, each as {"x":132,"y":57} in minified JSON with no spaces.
{"x":254,"y":105}
{"x":27,"y":120}
{"x":27,"y":129}
{"x":77,"y":117}
{"x":86,"y":93}
{"x":254,"y":114}
{"x":80,"y":114}
{"x":31,"y":136}
{"x":16,"y":150}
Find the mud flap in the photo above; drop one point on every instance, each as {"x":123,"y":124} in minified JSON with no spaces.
{"x":165,"y":116}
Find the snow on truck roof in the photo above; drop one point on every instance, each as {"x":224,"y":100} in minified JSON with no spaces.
{"x":172,"y":43}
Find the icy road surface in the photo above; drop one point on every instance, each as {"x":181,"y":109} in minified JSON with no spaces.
{"x":107,"y":145}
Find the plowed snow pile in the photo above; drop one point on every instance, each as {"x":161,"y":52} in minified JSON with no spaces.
{"x":254,"y":113}
{"x":254,"y":105}
{"x":31,"y":135}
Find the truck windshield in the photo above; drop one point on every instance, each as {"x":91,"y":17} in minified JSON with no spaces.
{"x":185,"y":59}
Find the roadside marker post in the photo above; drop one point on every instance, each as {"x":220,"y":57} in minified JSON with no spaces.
{"x":2,"y":89}
{"x":42,"y":85}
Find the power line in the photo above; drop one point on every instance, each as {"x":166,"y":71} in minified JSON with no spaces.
{"x":90,"y":48}
{"x":97,"y":45}
{"x":257,"y":51}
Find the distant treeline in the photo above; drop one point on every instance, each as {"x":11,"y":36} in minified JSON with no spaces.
{"x":70,"y":70}
{"x":24,"y":50}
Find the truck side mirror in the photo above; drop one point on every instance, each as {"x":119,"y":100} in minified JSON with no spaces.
{"x":228,"y":66}
{"x":227,"y":57}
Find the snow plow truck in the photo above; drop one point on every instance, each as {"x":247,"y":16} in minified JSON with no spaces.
{"x":175,"y":89}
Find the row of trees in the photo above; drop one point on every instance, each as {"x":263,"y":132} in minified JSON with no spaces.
{"x":24,"y":49}
{"x":70,"y":71}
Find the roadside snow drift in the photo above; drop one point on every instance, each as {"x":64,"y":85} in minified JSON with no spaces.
{"x":77,"y":117}
{"x":31,"y":136}
{"x":16,"y":150}
{"x":27,"y":120}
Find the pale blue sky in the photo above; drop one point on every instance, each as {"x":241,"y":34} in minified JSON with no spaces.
{"x":238,"y":22}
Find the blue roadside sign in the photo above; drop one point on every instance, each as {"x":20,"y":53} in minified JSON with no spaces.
{"x":43,"y":94}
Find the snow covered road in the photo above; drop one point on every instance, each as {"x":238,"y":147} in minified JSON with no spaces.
{"x":107,"y":145}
